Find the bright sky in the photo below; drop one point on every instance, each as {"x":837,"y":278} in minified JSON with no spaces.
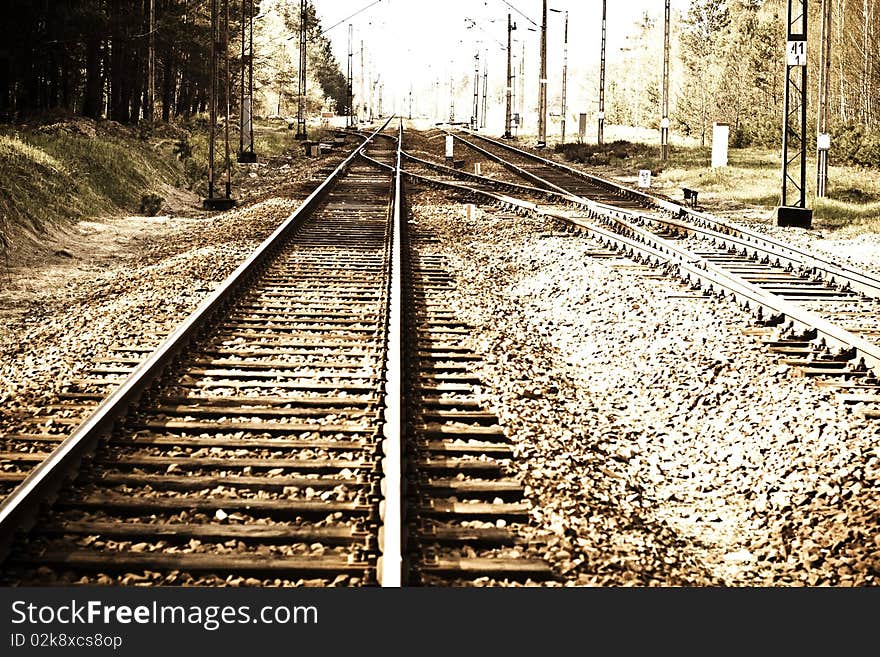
{"x":414,"y":43}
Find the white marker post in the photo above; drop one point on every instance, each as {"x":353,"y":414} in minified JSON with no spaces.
{"x":644,"y":179}
{"x":720,"y":136}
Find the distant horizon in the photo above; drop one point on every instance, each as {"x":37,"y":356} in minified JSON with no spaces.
{"x":408,"y":57}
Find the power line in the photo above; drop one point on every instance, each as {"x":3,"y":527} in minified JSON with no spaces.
{"x":520,"y":13}
{"x":484,"y":31}
{"x":363,"y":9}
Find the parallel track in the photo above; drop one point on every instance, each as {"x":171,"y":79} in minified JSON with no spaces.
{"x":821,"y":316}
{"x":299,"y":429}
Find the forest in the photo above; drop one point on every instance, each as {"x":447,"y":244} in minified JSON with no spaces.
{"x":93,"y":58}
{"x":727,"y":62}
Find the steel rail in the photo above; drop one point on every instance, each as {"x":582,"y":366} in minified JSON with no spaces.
{"x":856,"y":279}
{"x":17,"y":510}
{"x":595,"y":180}
{"x":512,"y":167}
{"x":390,"y":563}
{"x":695,"y":270}
{"x":484,"y":180}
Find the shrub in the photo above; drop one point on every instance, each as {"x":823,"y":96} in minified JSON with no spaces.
{"x":151,"y":204}
{"x":182,"y":148}
{"x":854,"y":144}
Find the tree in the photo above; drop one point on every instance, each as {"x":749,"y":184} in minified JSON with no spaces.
{"x":89,"y":57}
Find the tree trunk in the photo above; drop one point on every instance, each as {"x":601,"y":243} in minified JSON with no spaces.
{"x":92,"y":94}
{"x":5,"y":105}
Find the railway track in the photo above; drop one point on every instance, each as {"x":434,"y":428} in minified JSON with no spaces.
{"x":319,"y":420}
{"x":817,"y":316}
{"x":279,"y":436}
{"x":248,"y":446}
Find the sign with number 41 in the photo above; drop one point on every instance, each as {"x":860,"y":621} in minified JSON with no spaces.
{"x":796,"y":52}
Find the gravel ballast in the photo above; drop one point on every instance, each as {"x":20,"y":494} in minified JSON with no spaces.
{"x":662,"y":444}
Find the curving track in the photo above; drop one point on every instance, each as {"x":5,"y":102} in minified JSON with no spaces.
{"x":820,"y":316}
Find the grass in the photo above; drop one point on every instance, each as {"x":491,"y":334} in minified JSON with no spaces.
{"x":74,"y":168}
{"x":752,"y":179}
{"x":56,"y":175}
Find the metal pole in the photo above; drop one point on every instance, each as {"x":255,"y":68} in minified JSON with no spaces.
{"x":822,"y":138}
{"x":241,"y":110}
{"x":227,"y":87}
{"x":251,"y":79}
{"x":509,"y":88}
{"x":212,"y":119}
{"x":350,"y":109}
{"x":542,"y":81}
{"x":379,"y":99}
{"x":363,"y":86}
{"x":451,"y":100}
{"x":410,"y":102}
{"x":794,"y":128}
{"x":485,"y":88}
{"x":601,"y":128}
{"x":522,"y":81}
{"x":564,"y":77}
{"x":475,"y":119}
{"x":664,"y":120}
{"x":300,"y":105}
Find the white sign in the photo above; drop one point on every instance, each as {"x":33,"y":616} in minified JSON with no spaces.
{"x":720,"y":134}
{"x":796,"y":53}
{"x":664,"y":122}
{"x":823,"y":141}
{"x":644,"y":178}
{"x":449,"y":141}
{"x":601,"y":115}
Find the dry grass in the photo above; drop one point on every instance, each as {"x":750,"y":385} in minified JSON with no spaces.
{"x":752,"y":180}
{"x":73,"y":169}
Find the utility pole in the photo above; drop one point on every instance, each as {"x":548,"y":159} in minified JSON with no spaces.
{"x":522,"y":82}
{"x":363,"y":86}
{"x":475,"y":119}
{"x":379,"y":100}
{"x":250,"y":103}
{"x":227,"y":87}
{"x":542,"y":81}
{"x":151,"y":65}
{"x":219,"y":44}
{"x":564,"y":77}
{"x":301,"y":97}
{"x":793,"y":209}
{"x":451,"y":99}
{"x":246,"y":107}
{"x":485,"y":88}
{"x":212,"y":101}
{"x":508,"y":90}
{"x":601,"y":129}
{"x":349,"y":122}
{"x":823,"y":139}
{"x":664,"y":119}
